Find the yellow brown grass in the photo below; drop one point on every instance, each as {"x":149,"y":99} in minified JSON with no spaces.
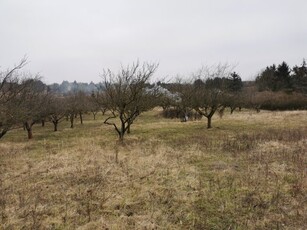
{"x":249,"y":172}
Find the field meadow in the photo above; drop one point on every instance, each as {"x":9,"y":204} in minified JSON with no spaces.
{"x":247,"y":172}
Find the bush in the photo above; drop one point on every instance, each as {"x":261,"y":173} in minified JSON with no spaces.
{"x":269,"y":100}
{"x":282,"y":101}
{"x":180,"y":113}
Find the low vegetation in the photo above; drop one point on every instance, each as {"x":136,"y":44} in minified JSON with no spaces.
{"x":113,"y":158}
{"x":247,"y":172}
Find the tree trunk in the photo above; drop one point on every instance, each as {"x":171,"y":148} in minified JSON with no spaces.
{"x":43,"y":123}
{"x":128,"y":128}
{"x":122,"y":132}
{"x":209,"y":122}
{"x":94,"y":116}
{"x":30,"y":134}
{"x":72,"y":121}
{"x":258,"y":109}
{"x":121,"y":137}
{"x":28,"y":127}
{"x":55,"y":124}
{"x":81,"y":118}
{"x":2,"y":133}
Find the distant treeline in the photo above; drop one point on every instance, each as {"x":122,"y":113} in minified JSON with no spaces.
{"x":124,"y":95}
{"x":283,"y":78}
{"x":66,"y":87}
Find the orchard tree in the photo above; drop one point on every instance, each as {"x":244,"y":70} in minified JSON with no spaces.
{"x":10,"y":85}
{"x":33,"y":105}
{"x":126,"y":96}
{"x":82,"y":104}
{"x":72,"y":108}
{"x":57,"y":110}
{"x":208,"y":97}
{"x":77,"y":103}
{"x":13,"y":91}
{"x":184,"y":104}
{"x":93,"y":106}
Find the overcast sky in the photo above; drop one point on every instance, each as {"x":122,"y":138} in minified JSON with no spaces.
{"x":77,"y":39}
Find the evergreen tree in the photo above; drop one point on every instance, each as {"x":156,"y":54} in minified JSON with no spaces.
{"x":235,"y":82}
{"x":299,"y":78}
{"x":283,"y":78}
{"x":266,"y":79}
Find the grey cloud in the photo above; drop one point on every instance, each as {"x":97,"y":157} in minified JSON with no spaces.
{"x":74,"y":40}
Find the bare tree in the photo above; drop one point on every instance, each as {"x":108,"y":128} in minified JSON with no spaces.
{"x":72,"y":108}
{"x":33,"y":104}
{"x":57,"y":110}
{"x":184,"y":105}
{"x":210,"y":91}
{"x":10,"y":85}
{"x":125,"y":95}
{"x":82,"y":104}
{"x":13,"y":90}
{"x":93,"y":105}
{"x":77,"y":103}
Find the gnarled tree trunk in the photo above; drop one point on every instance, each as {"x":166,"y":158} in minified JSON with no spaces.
{"x":3,"y":132}
{"x":55,"y":125}
{"x":28,"y":126}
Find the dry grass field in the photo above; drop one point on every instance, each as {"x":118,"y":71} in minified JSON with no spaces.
{"x":247,"y":172}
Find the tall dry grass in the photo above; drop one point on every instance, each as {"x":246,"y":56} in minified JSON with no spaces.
{"x":249,"y":172}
